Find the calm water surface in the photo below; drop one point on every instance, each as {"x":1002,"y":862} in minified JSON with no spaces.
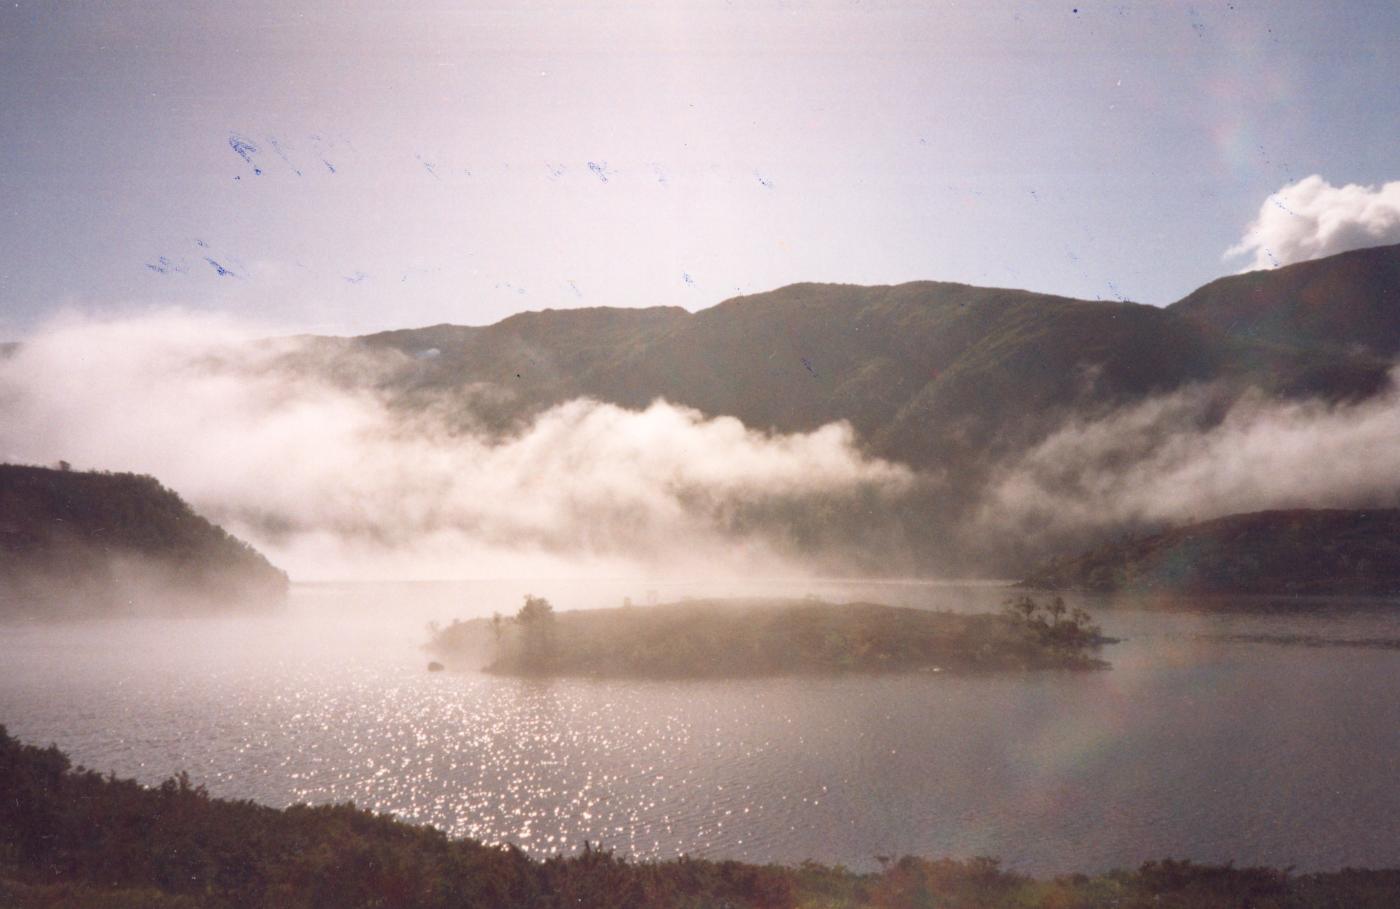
{"x":1196,"y":744}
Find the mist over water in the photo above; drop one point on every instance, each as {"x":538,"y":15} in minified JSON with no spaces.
{"x":1193,"y":745}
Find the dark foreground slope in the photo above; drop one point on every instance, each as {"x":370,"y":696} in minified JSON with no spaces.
{"x":740,"y":638}
{"x":1266,"y":552}
{"x":76,"y":543}
{"x":74,"y":839}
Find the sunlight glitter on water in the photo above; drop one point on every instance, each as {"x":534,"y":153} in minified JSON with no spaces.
{"x":1188,"y":747}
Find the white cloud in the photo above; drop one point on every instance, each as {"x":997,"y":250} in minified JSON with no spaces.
{"x":1312,"y":218}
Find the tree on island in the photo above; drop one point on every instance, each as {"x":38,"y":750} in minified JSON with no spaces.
{"x":1053,"y":624}
{"x":536,"y":621}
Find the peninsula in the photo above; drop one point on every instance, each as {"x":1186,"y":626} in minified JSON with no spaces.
{"x":78,"y":544}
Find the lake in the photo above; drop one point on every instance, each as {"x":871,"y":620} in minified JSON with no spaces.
{"x":1204,"y":741}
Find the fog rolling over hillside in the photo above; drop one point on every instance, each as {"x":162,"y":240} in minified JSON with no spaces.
{"x":925,"y":428}
{"x":332,"y":468}
{"x":75,"y":544}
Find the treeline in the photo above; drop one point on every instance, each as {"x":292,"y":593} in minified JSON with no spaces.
{"x":75,"y":838}
{"x":742,"y":637}
{"x":78,"y":541}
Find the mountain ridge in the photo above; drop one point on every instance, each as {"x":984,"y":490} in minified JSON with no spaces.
{"x":1348,"y":300}
{"x":924,"y":371}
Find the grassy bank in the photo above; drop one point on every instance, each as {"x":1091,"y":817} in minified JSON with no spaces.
{"x":72,"y":838}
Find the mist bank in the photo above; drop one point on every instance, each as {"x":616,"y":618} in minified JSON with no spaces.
{"x":334,"y":475}
{"x":77,"y":544}
{"x":920,"y":430}
{"x":1193,"y":455}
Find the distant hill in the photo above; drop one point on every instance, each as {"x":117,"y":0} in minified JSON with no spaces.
{"x":79,"y":543}
{"x":928,"y":373}
{"x":950,"y":379}
{"x":1267,"y":552}
{"x":1346,"y":302}
{"x":953,"y":380}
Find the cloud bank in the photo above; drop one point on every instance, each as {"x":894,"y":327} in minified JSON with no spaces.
{"x":1195,"y":455}
{"x":1312,"y":218}
{"x":320,"y":471}
{"x":316,"y":456}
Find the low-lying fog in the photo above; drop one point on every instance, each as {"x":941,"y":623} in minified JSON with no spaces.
{"x":331,"y":481}
{"x":311,"y":458}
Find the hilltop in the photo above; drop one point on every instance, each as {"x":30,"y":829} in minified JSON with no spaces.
{"x":928,"y":373}
{"x":81,"y":543}
{"x":1346,"y":302}
{"x":1267,"y":552}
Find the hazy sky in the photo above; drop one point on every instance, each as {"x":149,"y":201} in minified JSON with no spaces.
{"x":343,"y":167}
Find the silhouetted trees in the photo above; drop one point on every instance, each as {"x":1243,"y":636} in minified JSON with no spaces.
{"x":1054,"y":624}
{"x":536,"y":622}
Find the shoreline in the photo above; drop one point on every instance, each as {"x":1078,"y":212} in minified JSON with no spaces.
{"x":74,"y":837}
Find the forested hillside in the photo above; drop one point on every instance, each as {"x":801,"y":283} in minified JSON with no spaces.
{"x":928,"y":373}
{"x":77,"y":543}
{"x":1331,"y":551}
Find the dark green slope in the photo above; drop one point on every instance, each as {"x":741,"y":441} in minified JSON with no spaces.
{"x":1031,"y":363}
{"x":948,"y":378}
{"x":926,"y":372}
{"x":915,"y":365}
{"x":917,"y":368}
{"x":1266,"y":552}
{"x":76,"y":543}
{"x":1350,"y":301}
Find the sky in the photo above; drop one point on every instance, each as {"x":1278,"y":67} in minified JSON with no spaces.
{"x":343,"y":167}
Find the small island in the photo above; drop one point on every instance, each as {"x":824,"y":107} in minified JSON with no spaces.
{"x":754,"y":637}
{"x":84,"y":543}
{"x":1293,"y":553}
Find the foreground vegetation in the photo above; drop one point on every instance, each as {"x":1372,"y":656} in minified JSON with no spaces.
{"x":84,"y":543}
{"x":74,"y":838}
{"x":732,"y":638}
{"x":1297,"y":552}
